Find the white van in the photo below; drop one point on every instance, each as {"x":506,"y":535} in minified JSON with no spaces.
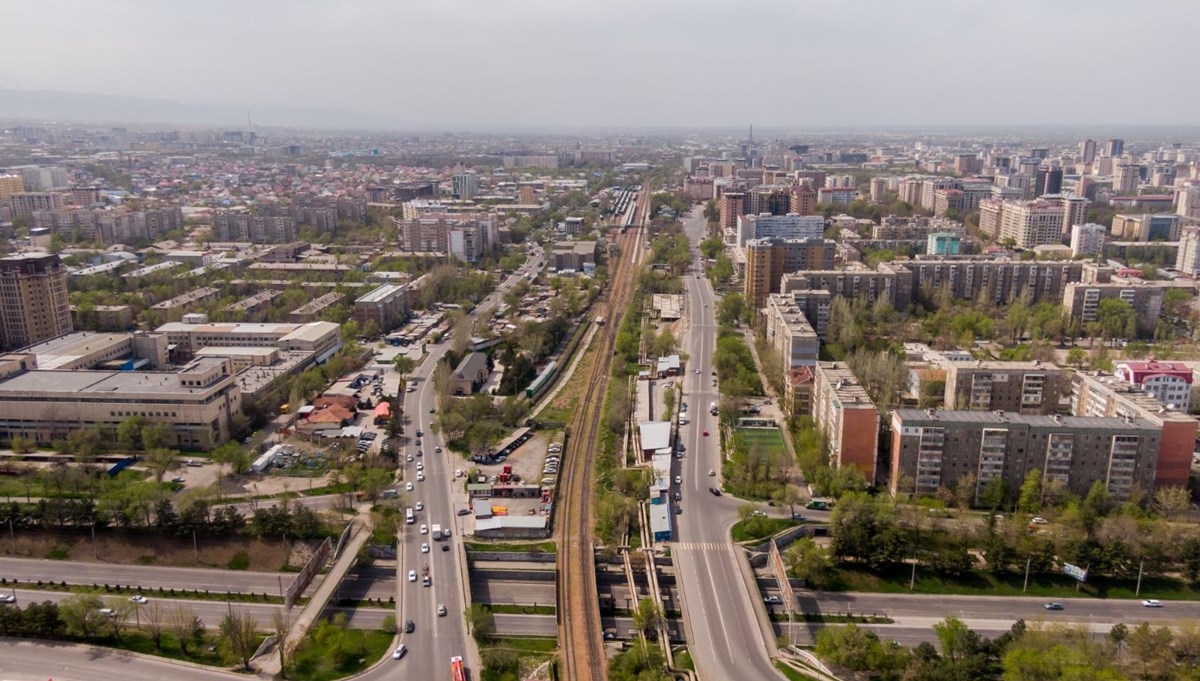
{"x":409,"y":516}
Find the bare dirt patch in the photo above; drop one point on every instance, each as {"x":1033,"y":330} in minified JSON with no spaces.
{"x":152,"y":549}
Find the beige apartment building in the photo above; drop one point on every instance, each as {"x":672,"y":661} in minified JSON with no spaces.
{"x":1013,"y":387}
{"x":33,"y":300}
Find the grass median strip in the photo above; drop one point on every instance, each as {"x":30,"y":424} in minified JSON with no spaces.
{"x":513,"y":609}
{"x":156,"y":592}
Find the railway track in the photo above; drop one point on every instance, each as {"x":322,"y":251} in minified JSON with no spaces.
{"x":579,"y":627}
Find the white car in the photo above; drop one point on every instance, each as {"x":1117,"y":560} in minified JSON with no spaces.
{"x":424,"y":529}
{"x":8,"y":598}
{"x":420,"y":506}
{"x":420,"y":477}
{"x":139,"y":599}
{"x":1152,"y":603}
{"x":458,"y":472}
{"x":408,"y":486}
{"x":399,"y":652}
{"x":412,"y":575}
{"x":424,"y":547}
{"x":108,"y":612}
{"x":678,"y":479}
{"x":441,"y":610}
{"x":410,"y":458}
{"x":420,"y":466}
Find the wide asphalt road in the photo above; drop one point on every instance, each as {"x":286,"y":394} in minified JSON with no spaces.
{"x":725,"y":638}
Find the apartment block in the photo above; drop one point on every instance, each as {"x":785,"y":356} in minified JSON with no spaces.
{"x":838,"y":196}
{"x":773,"y":199}
{"x":1014,"y":387}
{"x":845,"y":413}
{"x":1187,"y":260}
{"x":25,"y":203}
{"x":789,"y":333}
{"x":33,"y":300}
{"x":915,"y":228}
{"x":1111,"y":396}
{"x":935,"y":448}
{"x":1187,"y":200}
{"x":943,"y":243}
{"x":1002,"y":280}
{"x":1082,"y":301}
{"x":388,"y":306}
{"x":312,"y":310}
{"x":260,"y":229}
{"x":1087,"y":239}
{"x":790,"y":226}
{"x":1167,"y":382}
{"x":888,"y":281}
{"x":767,"y":260}
{"x":1146,"y":227}
{"x":466,"y":236}
{"x":804,"y":200}
{"x":731,"y":205}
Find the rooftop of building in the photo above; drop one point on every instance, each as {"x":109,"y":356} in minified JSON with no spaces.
{"x":845,"y":384}
{"x":114,"y":384}
{"x":56,"y":352}
{"x":1002,"y":365}
{"x":380,"y":294}
{"x":1032,"y":420}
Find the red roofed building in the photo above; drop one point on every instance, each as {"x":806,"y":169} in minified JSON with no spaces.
{"x":1167,"y":382}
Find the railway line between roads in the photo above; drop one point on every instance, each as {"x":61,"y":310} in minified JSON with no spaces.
{"x":580,"y":635}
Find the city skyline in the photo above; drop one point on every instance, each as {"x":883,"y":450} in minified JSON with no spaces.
{"x":424,"y":65}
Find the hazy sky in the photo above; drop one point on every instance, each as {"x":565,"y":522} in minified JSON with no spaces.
{"x":792,"y":63}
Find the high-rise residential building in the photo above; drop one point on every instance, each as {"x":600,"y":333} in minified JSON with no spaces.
{"x":731,"y":205}
{"x":1187,"y":200}
{"x":789,"y":333}
{"x":879,"y":188}
{"x":465,"y":185}
{"x":1031,"y":223}
{"x":1087,"y":151}
{"x":1015,"y":387}
{"x":527,"y":195}
{"x":1114,"y":148}
{"x":1049,"y":181}
{"x":932,"y":449}
{"x":9,"y":185}
{"x":847,"y":417}
{"x":33,"y":300}
{"x":767,"y":260}
{"x":1167,"y":382}
{"x":24,"y":203}
{"x":804,"y":199}
{"x":838,"y":196}
{"x":1087,"y":239}
{"x":1187,"y":260}
{"x":772,"y":199}
{"x":1126,"y":179}
{"x":466,"y":236}
{"x":1111,"y":396}
{"x":1146,"y":227}
{"x":791,"y":226}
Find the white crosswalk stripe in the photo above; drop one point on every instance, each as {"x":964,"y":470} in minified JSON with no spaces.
{"x":700,"y":546}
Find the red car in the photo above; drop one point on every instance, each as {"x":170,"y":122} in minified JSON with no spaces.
{"x":705,"y":433}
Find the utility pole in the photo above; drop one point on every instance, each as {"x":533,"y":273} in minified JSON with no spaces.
{"x":1028,"y":562}
{"x":1141,"y":565}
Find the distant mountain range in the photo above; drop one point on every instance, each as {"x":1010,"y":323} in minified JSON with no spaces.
{"x":49,"y":105}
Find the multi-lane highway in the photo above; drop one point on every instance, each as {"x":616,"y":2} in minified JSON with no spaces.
{"x":724,"y":635}
{"x":436,"y":638}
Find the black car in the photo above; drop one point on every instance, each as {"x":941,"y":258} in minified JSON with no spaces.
{"x":715,"y":492}
{"x":445,"y":547}
{"x":464,"y":511}
{"x":409,"y":626}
